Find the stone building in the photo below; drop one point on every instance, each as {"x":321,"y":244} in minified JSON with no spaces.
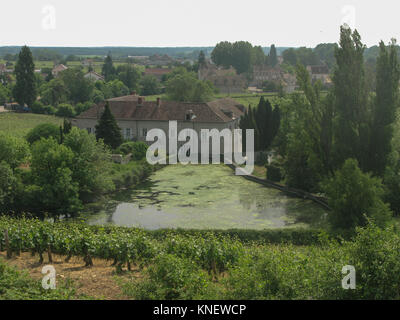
{"x":136,"y":117}
{"x":225,"y":80}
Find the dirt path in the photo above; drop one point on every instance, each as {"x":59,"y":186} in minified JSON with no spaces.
{"x":98,"y":281}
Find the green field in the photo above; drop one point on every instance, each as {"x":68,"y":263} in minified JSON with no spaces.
{"x":18,"y":124}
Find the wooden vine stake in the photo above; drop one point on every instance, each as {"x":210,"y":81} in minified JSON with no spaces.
{"x":7,"y":241}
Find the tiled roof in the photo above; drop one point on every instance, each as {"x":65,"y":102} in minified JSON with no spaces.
{"x":127,"y":108}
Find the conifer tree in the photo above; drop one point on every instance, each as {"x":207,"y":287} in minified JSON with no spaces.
{"x":108,"y":129}
{"x":25,"y":88}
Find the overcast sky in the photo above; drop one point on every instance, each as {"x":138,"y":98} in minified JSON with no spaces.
{"x":163,"y":23}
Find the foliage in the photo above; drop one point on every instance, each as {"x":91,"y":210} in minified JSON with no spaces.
{"x":52,"y":171}
{"x":44,"y":130}
{"x":78,"y":88}
{"x":108,"y":70}
{"x":129,"y":75}
{"x":149,"y":85}
{"x":178,"y":265}
{"x":265,"y":123}
{"x":108,"y":130}
{"x":65,"y":110}
{"x":186,"y":87}
{"x":91,"y":160}
{"x":25,"y":91}
{"x":137,"y":149}
{"x":274,"y":173}
{"x":17,"y":285}
{"x":350,"y":127}
{"x":354,"y":196}
{"x":241,"y":55}
{"x":13,"y":150}
{"x":384,"y":111}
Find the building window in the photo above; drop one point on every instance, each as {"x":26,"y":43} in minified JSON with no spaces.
{"x":128,"y":133}
{"x":144,"y":132}
{"x":89,"y":130}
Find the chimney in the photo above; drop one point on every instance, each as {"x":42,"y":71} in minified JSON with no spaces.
{"x":140,"y":101}
{"x":158,"y":102}
{"x":133,"y":93}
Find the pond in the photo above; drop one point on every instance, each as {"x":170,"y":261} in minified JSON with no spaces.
{"x":206,"y":197}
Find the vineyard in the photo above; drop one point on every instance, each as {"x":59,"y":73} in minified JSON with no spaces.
{"x":122,"y":245}
{"x":178,"y":264}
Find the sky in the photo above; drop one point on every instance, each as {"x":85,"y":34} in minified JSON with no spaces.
{"x":176,"y":23}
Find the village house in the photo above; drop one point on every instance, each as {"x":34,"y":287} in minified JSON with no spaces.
{"x":264,"y":73}
{"x":320,"y":72}
{"x":57,"y":69}
{"x":136,"y":117}
{"x":3,"y":69}
{"x":225,"y":80}
{"x":94,"y":76}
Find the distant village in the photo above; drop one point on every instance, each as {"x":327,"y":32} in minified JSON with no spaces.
{"x":262,"y":78}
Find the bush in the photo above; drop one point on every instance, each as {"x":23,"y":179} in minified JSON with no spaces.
{"x":354,"y":196}
{"x":274,"y":173}
{"x":38,"y":107}
{"x":65,"y":110}
{"x":137,"y":149}
{"x":169,"y":278}
{"x":44,"y":130}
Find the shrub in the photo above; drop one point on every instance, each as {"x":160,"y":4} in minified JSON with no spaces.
{"x":274,"y":173}
{"x":137,"y":149}
{"x":38,"y":107}
{"x":65,"y":110}
{"x":44,"y":130}
{"x":170,"y":277}
{"x":353,"y":196}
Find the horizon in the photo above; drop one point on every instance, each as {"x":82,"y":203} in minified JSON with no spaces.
{"x":180,"y":23}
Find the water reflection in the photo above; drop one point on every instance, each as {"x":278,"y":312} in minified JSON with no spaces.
{"x":206,"y":196}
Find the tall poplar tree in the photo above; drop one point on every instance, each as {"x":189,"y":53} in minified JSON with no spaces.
{"x":385,"y":106}
{"x":350,"y":126}
{"x":25,"y":91}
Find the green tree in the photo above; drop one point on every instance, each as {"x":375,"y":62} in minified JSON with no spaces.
{"x":108,"y":129}
{"x":129,"y":75}
{"x":222,"y":54}
{"x":65,"y":110}
{"x":351,"y":120}
{"x":53,"y":92}
{"x":385,"y":106}
{"x":108,"y":70}
{"x":13,"y":150}
{"x":186,"y":87}
{"x":201,"y":59}
{"x":149,"y":85}
{"x":51,"y":165}
{"x":44,"y":130}
{"x":8,"y":183}
{"x":354,"y":196}
{"x":91,"y":162}
{"x":272,"y":57}
{"x":79,"y":88}
{"x":25,"y":88}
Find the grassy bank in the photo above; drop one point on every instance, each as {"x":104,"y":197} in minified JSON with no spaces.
{"x":19,"y":124}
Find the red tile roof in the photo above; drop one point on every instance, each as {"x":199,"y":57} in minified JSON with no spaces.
{"x":128,"y":108}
